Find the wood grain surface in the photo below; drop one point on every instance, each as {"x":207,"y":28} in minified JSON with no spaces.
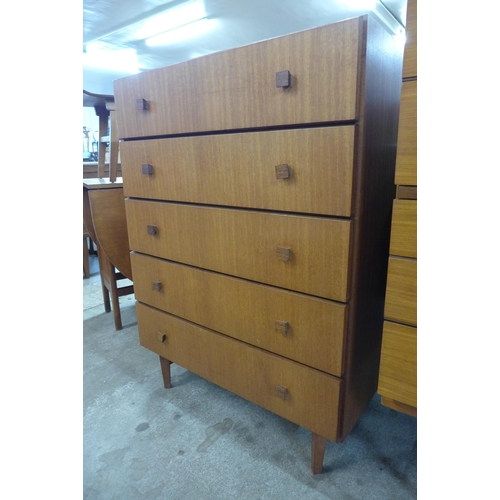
{"x":398,"y":363}
{"x":312,"y":397}
{"x":243,"y":243}
{"x":254,"y":313}
{"x":240,"y":170}
{"x":199,"y":96}
{"x":401,"y":296}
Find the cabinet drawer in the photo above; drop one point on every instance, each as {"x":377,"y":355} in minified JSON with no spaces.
{"x":401,"y":294}
{"x":305,"y":254}
{"x":197,"y":96}
{"x":410,"y":54}
{"x":311,"y":398}
{"x":398,"y":363}
{"x":404,"y":228}
{"x":305,"y":170}
{"x":406,"y":155}
{"x":300,"y":327}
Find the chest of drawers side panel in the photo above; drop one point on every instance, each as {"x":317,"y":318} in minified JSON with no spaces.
{"x":197,"y":96}
{"x":373,"y":193}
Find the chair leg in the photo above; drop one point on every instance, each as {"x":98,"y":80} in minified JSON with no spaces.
{"x":114,"y":297}
{"x":116,"y":311}
{"x":86,"y":258}
{"x":105,"y":296}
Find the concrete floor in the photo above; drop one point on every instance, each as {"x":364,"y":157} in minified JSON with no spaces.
{"x":198,"y":441}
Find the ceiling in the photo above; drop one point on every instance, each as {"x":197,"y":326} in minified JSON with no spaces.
{"x":110,"y":28}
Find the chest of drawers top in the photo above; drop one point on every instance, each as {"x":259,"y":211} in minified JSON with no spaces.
{"x":308,"y":77}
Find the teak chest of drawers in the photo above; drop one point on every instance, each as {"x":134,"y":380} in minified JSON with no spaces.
{"x":258,"y":185}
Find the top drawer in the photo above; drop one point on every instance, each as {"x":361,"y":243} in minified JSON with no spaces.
{"x":197,"y":96}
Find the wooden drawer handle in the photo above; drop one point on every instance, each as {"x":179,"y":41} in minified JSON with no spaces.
{"x":162,"y":337}
{"x":283,"y":171}
{"x":283,"y":253}
{"x":147,"y":169}
{"x":283,"y":79}
{"x":282,"y":327}
{"x":141,"y":104}
{"x":152,"y":230}
{"x":157,"y":286}
{"x":281,"y":391}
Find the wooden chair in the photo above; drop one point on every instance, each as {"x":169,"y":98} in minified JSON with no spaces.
{"x":107,"y":210}
{"x":104,"y":217}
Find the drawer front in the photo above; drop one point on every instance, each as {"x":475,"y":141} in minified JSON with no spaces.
{"x":305,"y":254}
{"x":398,"y":363}
{"x":401,"y":294}
{"x":197,"y":96}
{"x":406,"y":155}
{"x":300,"y":394}
{"x":410,"y":54}
{"x":404,"y":228}
{"x":300,"y":327}
{"x":305,"y":170}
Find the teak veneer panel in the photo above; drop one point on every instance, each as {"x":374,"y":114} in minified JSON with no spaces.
{"x":401,"y":295}
{"x":406,"y":156}
{"x":240,"y":169}
{"x":398,"y":364}
{"x":312,"y":397}
{"x":404,"y":229}
{"x":198,"y":96}
{"x":247,"y":311}
{"x":245,"y":244}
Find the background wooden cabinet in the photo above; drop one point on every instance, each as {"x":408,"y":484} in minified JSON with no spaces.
{"x":398,"y":365}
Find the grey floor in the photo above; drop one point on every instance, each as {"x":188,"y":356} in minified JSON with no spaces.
{"x":198,"y":441}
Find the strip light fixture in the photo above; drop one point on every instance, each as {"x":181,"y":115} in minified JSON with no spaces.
{"x":175,"y":24}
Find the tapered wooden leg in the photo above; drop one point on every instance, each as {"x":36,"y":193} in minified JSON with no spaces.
{"x":115,"y":300}
{"x":86,"y":261}
{"x":317,"y":453}
{"x":104,"y":272}
{"x":165,"y":371}
{"x":105,"y":296}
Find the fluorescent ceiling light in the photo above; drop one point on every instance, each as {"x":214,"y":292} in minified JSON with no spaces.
{"x":360,"y":4}
{"x":171,"y":19}
{"x":122,"y":60}
{"x":183,"y":33}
